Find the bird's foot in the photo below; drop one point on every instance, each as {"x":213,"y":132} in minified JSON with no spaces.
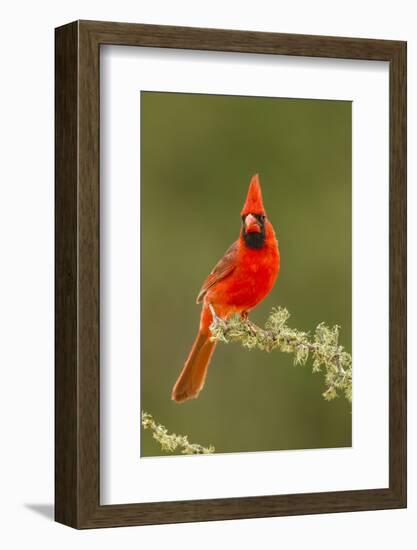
{"x":244,"y":315}
{"x":216,"y":318}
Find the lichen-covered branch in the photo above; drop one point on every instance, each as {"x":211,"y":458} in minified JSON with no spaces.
{"x":172,"y":442}
{"x":323,"y":346}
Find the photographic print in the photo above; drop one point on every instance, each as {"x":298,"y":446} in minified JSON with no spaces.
{"x":246,"y":210}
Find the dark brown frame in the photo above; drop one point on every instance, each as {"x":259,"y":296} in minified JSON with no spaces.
{"x":77,"y":371}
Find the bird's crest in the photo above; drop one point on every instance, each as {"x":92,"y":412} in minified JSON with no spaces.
{"x":254,"y":203}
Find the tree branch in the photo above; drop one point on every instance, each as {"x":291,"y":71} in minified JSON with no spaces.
{"x":328,"y":356}
{"x":170,"y":442}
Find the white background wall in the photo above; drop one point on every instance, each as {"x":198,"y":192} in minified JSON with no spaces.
{"x":26,"y":274}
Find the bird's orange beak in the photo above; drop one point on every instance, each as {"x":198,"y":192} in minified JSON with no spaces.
{"x":252,"y":225}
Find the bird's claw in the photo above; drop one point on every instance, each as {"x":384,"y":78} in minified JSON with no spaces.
{"x":245,"y":318}
{"x":216,"y":318}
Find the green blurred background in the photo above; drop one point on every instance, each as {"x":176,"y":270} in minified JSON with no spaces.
{"x":198,"y":153}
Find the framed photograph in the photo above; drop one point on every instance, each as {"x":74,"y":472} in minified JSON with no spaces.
{"x":230,"y":274}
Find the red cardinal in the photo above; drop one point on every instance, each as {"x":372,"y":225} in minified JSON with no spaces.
{"x":239,"y":281}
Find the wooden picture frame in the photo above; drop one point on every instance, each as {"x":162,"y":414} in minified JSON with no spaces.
{"x":77,"y":374}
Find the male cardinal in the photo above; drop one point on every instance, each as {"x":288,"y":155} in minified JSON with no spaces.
{"x":238,"y":282}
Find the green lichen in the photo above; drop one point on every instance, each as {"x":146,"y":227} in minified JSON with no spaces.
{"x":171,"y":442}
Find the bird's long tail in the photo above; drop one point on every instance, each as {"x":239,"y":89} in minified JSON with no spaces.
{"x":193,"y":375}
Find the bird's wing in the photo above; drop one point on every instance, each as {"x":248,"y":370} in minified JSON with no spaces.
{"x":224,"y":267}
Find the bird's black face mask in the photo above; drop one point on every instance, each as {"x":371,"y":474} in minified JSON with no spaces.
{"x":253,"y":230}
